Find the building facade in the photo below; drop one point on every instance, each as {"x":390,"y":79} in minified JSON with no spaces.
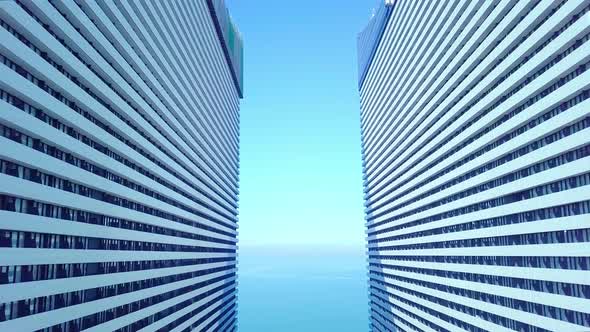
{"x":118,"y":165}
{"x":476,"y":142}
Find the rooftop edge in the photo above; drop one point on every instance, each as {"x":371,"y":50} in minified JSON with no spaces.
{"x":231,"y":41}
{"x":369,"y":38}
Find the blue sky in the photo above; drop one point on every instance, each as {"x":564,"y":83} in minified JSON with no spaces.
{"x":301,"y":237}
{"x":300,"y":172}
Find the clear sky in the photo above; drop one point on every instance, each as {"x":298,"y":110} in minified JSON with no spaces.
{"x":300,"y":172}
{"x":301,"y":262}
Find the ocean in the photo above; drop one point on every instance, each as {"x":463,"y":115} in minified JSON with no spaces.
{"x":284,"y":289}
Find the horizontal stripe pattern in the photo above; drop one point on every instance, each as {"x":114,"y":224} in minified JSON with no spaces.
{"x":119,"y":124}
{"x":475,"y":122}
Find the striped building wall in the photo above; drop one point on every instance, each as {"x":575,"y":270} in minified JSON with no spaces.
{"x":118,"y":167}
{"x":476,"y":155}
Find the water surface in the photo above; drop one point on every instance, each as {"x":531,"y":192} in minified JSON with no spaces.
{"x":302,"y":289}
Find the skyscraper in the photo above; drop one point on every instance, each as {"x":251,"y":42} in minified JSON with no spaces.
{"x":118,"y":165}
{"x":476,"y":147}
